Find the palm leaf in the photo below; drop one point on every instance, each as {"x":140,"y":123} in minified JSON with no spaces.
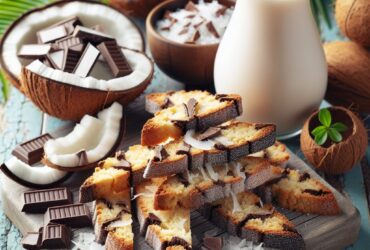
{"x":321,"y":11}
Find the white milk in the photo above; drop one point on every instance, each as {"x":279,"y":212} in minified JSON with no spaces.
{"x":271,"y":54}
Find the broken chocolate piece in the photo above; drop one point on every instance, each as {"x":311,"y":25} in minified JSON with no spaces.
{"x":123,"y":164}
{"x":38,"y":201}
{"x":208,"y":134}
{"x":92,"y":36}
{"x":69,"y":24}
{"x":160,"y":153}
{"x":31,"y":241}
{"x":304,"y":177}
{"x":211,"y":28}
{"x":237,"y":103}
{"x":67,"y":42}
{"x":82,"y":156}
{"x":190,"y":6}
{"x":197,"y":25}
{"x":31,"y":151}
{"x":183,"y":31}
{"x":34,"y":51}
{"x":71,"y":58}
{"x":221,"y":11}
{"x":194,"y":37}
{"x":51,"y":34}
{"x":153,"y":219}
{"x":190,"y":107}
{"x":56,"y":59}
{"x":212,"y":243}
{"x":74,"y":215}
{"x":115,"y":58}
{"x":87,"y":61}
{"x":56,"y":236}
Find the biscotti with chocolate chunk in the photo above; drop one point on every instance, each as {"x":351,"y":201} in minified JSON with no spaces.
{"x":162,"y":229}
{"x":109,"y":177}
{"x":300,"y":192}
{"x":245,"y":216}
{"x":276,"y":154}
{"x":232,"y":141}
{"x":176,"y":112}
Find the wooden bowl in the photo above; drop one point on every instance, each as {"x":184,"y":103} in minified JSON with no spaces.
{"x":189,"y":63}
{"x":135,"y":8}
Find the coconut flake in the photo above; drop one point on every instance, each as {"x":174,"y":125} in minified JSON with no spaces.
{"x":119,"y":223}
{"x":214,"y":176}
{"x":236,"y":204}
{"x":237,"y":166}
{"x":192,"y":177}
{"x":259,"y":154}
{"x":223,"y":140}
{"x":204,"y":175}
{"x":204,"y":145}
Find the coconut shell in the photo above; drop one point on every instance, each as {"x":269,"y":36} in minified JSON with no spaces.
{"x":135,"y":8}
{"x":335,"y":158}
{"x":353,"y":19}
{"x":348,"y":75}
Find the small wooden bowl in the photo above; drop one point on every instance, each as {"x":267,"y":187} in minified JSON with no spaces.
{"x":188,"y":63}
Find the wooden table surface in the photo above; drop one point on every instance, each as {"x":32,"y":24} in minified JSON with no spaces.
{"x":21,"y":120}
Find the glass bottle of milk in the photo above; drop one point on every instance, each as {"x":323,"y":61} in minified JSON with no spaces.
{"x":271,"y":54}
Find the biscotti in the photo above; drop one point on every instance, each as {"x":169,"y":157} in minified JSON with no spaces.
{"x":276,"y":154}
{"x":162,"y":229}
{"x":245,"y":216}
{"x":233,"y":141}
{"x":176,"y":112}
{"x":300,"y":192}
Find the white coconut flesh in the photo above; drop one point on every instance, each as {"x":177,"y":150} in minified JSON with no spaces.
{"x":113,"y":22}
{"x":95,"y":135}
{"x":142,"y":69}
{"x":40,"y":175}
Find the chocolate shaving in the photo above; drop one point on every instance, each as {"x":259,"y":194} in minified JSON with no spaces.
{"x":190,"y":107}
{"x":211,"y":28}
{"x":315,"y":192}
{"x":183,"y":31}
{"x":153,"y":219}
{"x":167,"y":103}
{"x":221,"y":11}
{"x":212,"y":243}
{"x":196,"y":26}
{"x":209,"y":133}
{"x":160,"y":153}
{"x":190,"y":16}
{"x":304,"y":177}
{"x":82,"y":158}
{"x":193,"y":38}
{"x":190,"y":6}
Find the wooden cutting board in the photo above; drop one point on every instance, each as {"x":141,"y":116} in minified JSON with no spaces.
{"x":319,"y":232}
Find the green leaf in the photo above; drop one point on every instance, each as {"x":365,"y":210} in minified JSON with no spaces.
{"x":324,"y":11}
{"x":318,"y":130}
{"x":325,"y":117}
{"x":334,"y":135}
{"x":340,"y":127}
{"x":4,"y":86}
{"x":321,"y":138}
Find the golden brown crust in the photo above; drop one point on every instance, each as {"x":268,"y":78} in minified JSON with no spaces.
{"x":118,"y":243}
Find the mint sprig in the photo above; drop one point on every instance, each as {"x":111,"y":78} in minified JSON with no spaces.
{"x":327,"y":129}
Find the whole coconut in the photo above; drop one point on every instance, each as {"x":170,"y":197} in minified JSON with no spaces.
{"x":348,"y":75}
{"x":353,"y":19}
{"x":135,"y":8}
{"x":335,"y":158}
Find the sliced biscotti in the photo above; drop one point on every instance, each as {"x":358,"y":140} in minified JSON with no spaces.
{"x":300,"y":192}
{"x":176,"y":112}
{"x":227,"y":142}
{"x":245,"y":216}
{"x":110,"y":176}
{"x":162,"y":229}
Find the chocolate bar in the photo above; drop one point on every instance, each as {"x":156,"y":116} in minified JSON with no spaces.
{"x":87,"y":61}
{"x":31,"y":241}
{"x":115,"y":58}
{"x":56,"y":59}
{"x":74,"y":215}
{"x":71,"y":59}
{"x":93,"y":36}
{"x":69,"y":24}
{"x":51,"y":34}
{"x":38,"y":201}
{"x":34,"y":51}
{"x":67,"y":42}
{"x":56,"y":236}
{"x":31,"y":151}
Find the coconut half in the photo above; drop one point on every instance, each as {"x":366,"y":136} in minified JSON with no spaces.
{"x":92,"y":140}
{"x":33,"y":176}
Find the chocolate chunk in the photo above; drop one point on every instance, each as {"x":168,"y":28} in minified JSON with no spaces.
{"x":208,"y":134}
{"x":190,"y":16}
{"x":56,"y":59}
{"x":197,"y":25}
{"x":38,"y":201}
{"x":89,"y":35}
{"x":315,"y":192}
{"x":304,"y":177}
{"x":71,"y":58}
{"x":115,"y":58}
{"x":67,"y":42}
{"x":34,"y":51}
{"x":82,"y":156}
{"x":31,"y":241}
{"x":183,"y":31}
{"x":87,"y":61}
{"x":168,"y":15}
{"x":52,"y":34}
{"x":211,"y":28}
{"x":190,"y":6}
{"x":31,"y":151}
{"x":221,"y":11}
{"x":190,"y":107}
{"x":69,"y":24}
{"x":194,"y":37}
{"x":184,"y":149}
{"x":75,"y":215}
{"x":167,"y":103}
{"x":237,"y":103}
{"x":212,"y":243}
{"x":56,"y":236}
{"x":120,"y":155}
{"x":160,"y":153}
{"x":153,"y":219}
